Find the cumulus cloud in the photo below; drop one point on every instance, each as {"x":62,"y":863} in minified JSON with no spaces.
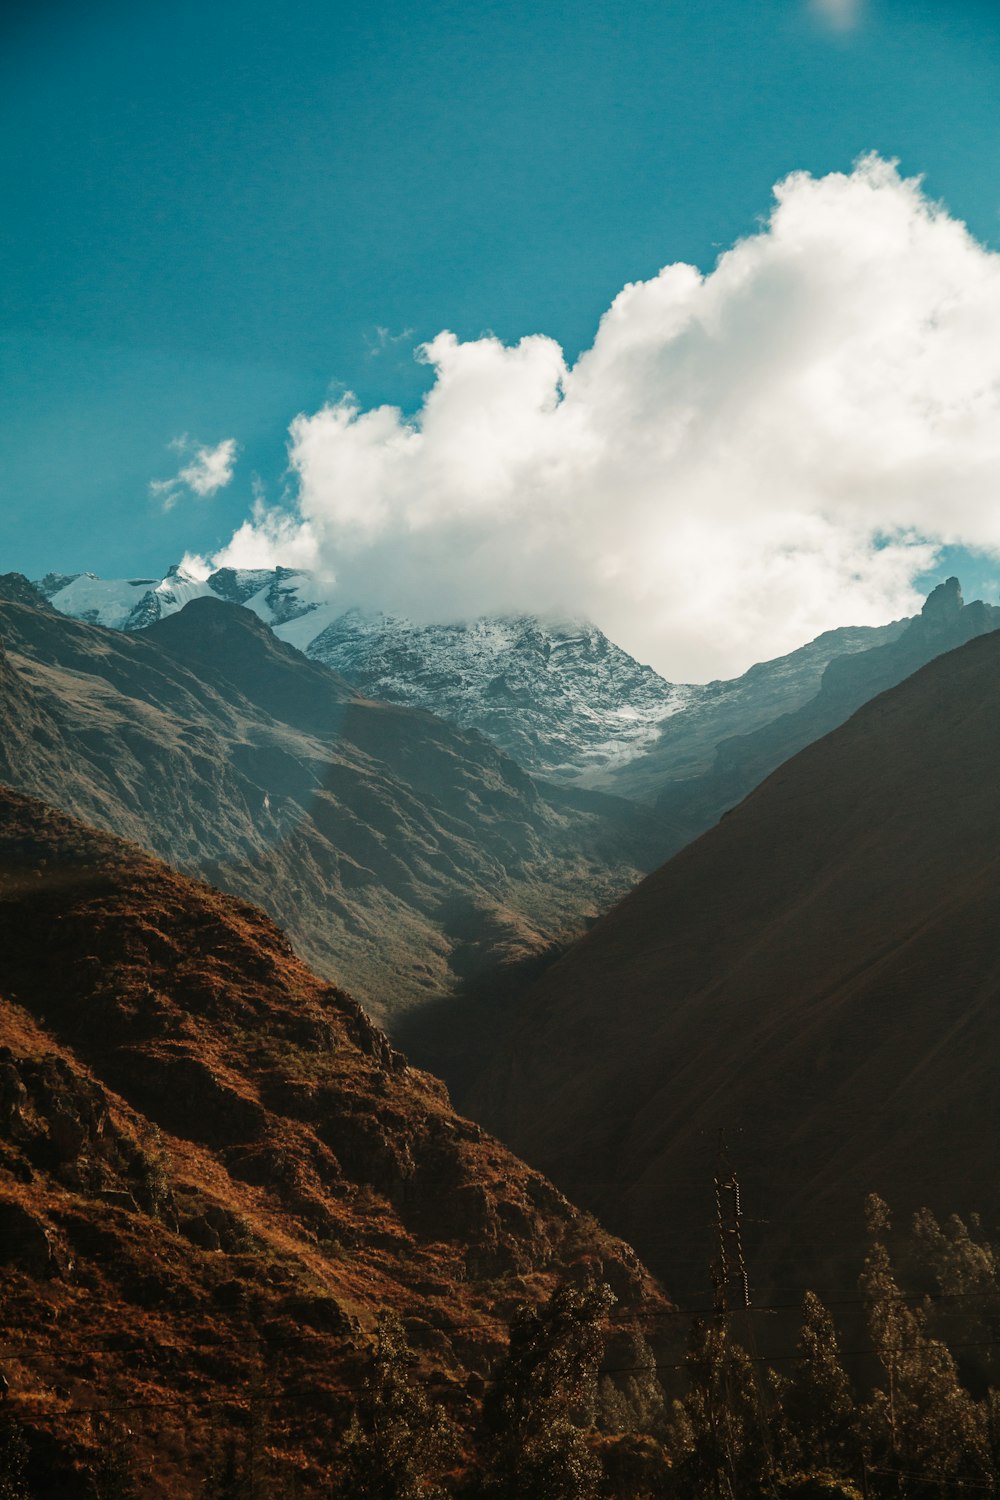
{"x":741,"y":460}
{"x":208,"y":471}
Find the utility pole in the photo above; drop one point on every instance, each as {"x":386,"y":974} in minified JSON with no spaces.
{"x":731,"y":1281}
{"x":730,"y":1277}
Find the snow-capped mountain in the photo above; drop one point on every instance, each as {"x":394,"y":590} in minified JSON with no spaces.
{"x":276,"y":595}
{"x":557,"y":695}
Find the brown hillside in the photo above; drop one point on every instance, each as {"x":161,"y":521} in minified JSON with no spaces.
{"x":819,"y":975}
{"x":215,"y":1171}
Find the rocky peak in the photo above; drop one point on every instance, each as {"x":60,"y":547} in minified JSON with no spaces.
{"x":943,"y":603}
{"x":557,"y":695}
{"x":16,"y":589}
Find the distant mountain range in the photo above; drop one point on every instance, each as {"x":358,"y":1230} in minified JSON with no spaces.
{"x":559,"y":697}
{"x":814,"y":975}
{"x":215,"y":1172}
{"x":818,"y":976}
{"x":400,"y":853}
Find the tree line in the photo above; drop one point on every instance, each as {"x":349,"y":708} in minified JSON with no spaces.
{"x":909,"y":1407}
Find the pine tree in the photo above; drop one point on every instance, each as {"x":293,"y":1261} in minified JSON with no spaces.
{"x":399,"y":1443}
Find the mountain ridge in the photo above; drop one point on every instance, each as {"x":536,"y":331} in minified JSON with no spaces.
{"x":373,"y":832}
{"x":556,"y":695}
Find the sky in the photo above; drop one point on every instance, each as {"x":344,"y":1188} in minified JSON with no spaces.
{"x":619,"y":310}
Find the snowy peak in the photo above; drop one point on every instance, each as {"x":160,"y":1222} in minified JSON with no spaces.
{"x":558,"y":696}
{"x":276,"y":595}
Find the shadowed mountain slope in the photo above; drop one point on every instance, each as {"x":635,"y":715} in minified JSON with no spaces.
{"x":397,"y":850}
{"x":849,"y":680}
{"x":708,"y":757}
{"x":685,"y":746}
{"x":215,"y":1171}
{"x":819,"y":976}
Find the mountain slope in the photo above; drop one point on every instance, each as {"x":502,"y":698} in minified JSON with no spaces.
{"x":215,"y":1172}
{"x":818,"y":975}
{"x":560,"y":697}
{"x":388,"y":843}
{"x":686,"y":744}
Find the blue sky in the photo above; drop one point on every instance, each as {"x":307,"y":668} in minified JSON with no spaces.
{"x":218,"y":216}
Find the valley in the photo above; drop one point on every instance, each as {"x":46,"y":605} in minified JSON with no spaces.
{"x":808,"y":979}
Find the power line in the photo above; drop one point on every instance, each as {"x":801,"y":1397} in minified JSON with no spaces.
{"x":625,"y":1312}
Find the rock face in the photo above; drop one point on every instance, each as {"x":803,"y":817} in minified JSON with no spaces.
{"x":387,"y":843}
{"x":215,"y":1172}
{"x":818,"y":975}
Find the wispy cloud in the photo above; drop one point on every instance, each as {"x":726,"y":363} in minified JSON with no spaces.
{"x":383,"y":340}
{"x":842,"y":15}
{"x":208,"y":471}
{"x":742,"y":460}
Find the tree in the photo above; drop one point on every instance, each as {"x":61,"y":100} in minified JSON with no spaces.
{"x":630,"y":1397}
{"x":924,"y":1419}
{"x":543,"y":1401}
{"x":720,"y":1428}
{"x":399,"y":1443}
{"x":959,"y":1265}
{"x":113,"y":1474}
{"x":817,"y":1406}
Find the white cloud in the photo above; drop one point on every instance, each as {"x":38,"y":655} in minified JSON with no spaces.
{"x":843,"y":15}
{"x":741,"y":460}
{"x":209,"y":471}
